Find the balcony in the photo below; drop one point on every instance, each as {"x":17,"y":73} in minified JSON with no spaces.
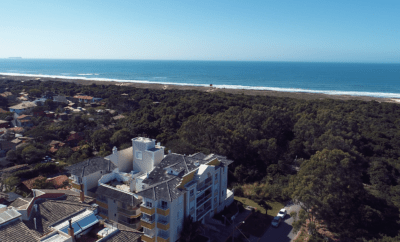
{"x":163,"y":236}
{"x":163,"y":210}
{"x":202,"y":212}
{"x":148,"y":222}
{"x":163,"y":226}
{"x":204,"y":197}
{"x":136,"y":226}
{"x":131,"y":213}
{"x":147,"y":210}
{"x":146,"y":238}
{"x":102,"y":204}
{"x":202,"y":186}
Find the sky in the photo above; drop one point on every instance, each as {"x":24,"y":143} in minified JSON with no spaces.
{"x":314,"y":31}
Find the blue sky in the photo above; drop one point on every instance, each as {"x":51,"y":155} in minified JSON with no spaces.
{"x":339,"y":31}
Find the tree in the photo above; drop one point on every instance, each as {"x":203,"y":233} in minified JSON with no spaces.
{"x":35,"y":92}
{"x":190,"y":229}
{"x":329,"y":188}
{"x":42,"y":183}
{"x":100,"y":137}
{"x":120,"y":137}
{"x":31,"y":154}
{"x":11,"y":183}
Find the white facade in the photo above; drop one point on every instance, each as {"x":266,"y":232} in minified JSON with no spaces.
{"x":205,"y":195}
{"x":146,"y":154}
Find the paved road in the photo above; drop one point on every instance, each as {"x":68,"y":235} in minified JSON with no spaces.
{"x":284,"y":232}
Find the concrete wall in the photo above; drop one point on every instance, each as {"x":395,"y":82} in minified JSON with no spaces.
{"x":91,"y":180}
{"x":112,"y":209}
{"x":122,"y":159}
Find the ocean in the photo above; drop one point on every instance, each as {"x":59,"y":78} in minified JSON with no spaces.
{"x":357,"y":79}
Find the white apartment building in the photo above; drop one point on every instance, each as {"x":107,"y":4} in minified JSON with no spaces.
{"x":168,"y":187}
{"x":181,"y":186}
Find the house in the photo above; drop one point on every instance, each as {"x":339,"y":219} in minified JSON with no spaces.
{"x":60,"y":99}
{"x":4,"y":124}
{"x":24,"y":121}
{"x":22,"y":107}
{"x":118,"y":117}
{"x":55,"y":145}
{"x":9,"y":96}
{"x":49,"y":114}
{"x":74,"y":138}
{"x":51,"y":215}
{"x":9,"y":198}
{"x":86,"y":174}
{"x":85,"y":99}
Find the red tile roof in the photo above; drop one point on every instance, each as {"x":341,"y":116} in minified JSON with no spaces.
{"x":29,"y":183}
{"x":58,"y":180}
{"x":84,"y":97}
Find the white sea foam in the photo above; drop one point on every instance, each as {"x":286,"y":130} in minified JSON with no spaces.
{"x":88,"y":74}
{"x":278,"y":89}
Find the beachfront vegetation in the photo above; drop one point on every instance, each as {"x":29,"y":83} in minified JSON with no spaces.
{"x":339,"y":158}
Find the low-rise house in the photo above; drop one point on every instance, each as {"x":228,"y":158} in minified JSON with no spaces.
{"x":49,"y":114}
{"x":22,"y":107}
{"x":55,"y":145}
{"x":9,"y":96}
{"x":4,"y":124}
{"x":24,"y":121}
{"x":51,"y":215}
{"x":118,"y":117}
{"x":74,"y":138}
{"x":60,"y":99}
{"x":85,"y":99}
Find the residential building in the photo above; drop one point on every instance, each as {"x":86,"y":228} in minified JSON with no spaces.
{"x":24,"y":121}
{"x":60,"y":99}
{"x":181,"y":186}
{"x":22,"y":107}
{"x":85,"y":99}
{"x":4,"y":124}
{"x":45,"y":217}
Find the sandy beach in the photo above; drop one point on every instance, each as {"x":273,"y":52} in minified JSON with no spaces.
{"x":298,"y":95}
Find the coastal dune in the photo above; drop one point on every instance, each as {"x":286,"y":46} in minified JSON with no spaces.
{"x":297,"y":95}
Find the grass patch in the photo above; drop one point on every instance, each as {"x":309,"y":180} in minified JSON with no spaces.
{"x":259,"y":221}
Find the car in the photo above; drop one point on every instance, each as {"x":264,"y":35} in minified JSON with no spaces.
{"x":276,"y":221}
{"x":282,"y":213}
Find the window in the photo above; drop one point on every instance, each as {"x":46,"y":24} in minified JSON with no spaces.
{"x":192,"y":192}
{"x":216,"y":175}
{"x":216,"y":192}
{"x":138,"y":155}
{"x":149,"y":204}
{"x":164,"y":205}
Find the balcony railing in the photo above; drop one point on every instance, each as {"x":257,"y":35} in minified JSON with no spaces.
{"x":129,"y":212}
{"x":203,"y":197}
{"x":136,"y":226}
{"x":204,"y":211}
{"x":163,"y":234}
{"x":147,"y":210}
{"x":149,"y":220}
{"x":207,"y":183}
{"x":163,"y":210}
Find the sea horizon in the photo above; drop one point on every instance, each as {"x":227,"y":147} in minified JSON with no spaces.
{"x":332,"y":78}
